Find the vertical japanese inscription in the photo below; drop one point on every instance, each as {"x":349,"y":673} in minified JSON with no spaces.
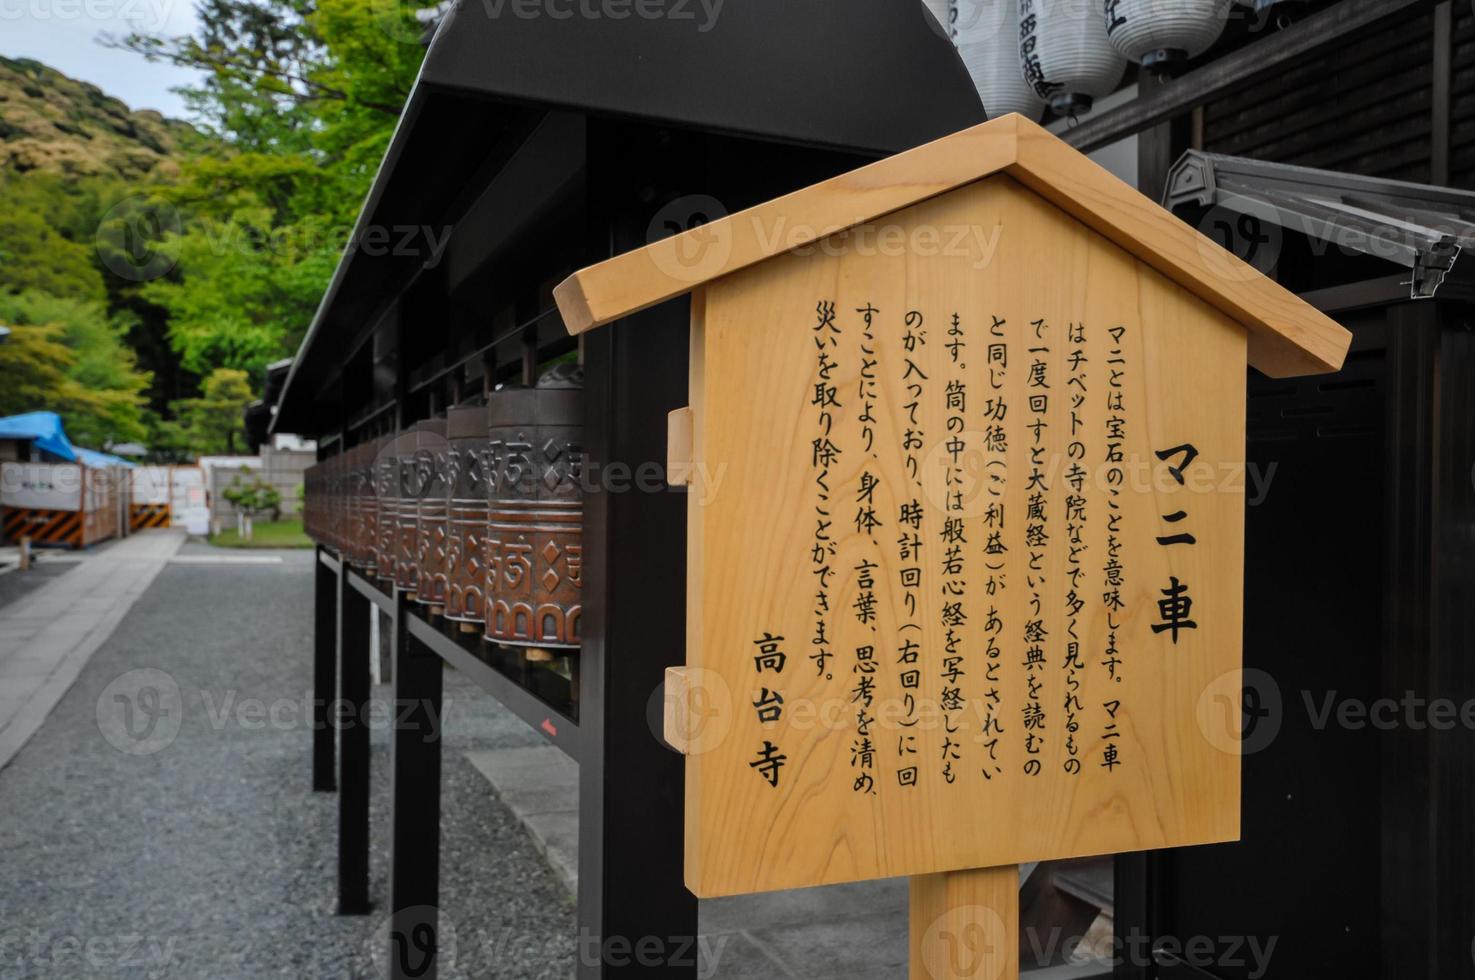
{"x":909,"y":553}
{"x":952,"y":542}
{"x":1113,"y":571}
{"x":995,"y":550}
{"x":1036,"y":541}
{"x":919,"y":421}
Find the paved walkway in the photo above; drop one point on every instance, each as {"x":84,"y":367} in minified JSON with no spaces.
{"x":47,"y":639}
{"x":839,"y":932}
{"x":161,"y":822}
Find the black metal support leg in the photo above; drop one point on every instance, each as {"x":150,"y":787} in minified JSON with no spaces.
{"x":636,"y":918}
{"x":414,"y":882}
{"x":351,"y":717}
{"x":324,"y":683}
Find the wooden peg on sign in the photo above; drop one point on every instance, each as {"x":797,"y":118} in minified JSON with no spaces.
{"x":678,"y":447}
{"x":965,"y":925}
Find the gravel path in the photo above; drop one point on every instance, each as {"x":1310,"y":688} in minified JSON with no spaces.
{"x":201,"y":851}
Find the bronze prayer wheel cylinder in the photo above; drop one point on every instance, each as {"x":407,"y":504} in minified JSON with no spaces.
{"x":432,"y":453}
{"x":387,"y":494}
{"x":336,"y":503}
{"x":366,"y":527}
{"x":468,"y":456}
{"x":407,"y":513}
{"x":352,"y":503}
{"x":534,"y":546}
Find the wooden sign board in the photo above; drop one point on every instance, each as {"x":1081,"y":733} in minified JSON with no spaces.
{"x":966,"y":522}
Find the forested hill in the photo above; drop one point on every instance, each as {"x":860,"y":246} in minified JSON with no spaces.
{"x":54,"y":124}
{"x":151,"y":269}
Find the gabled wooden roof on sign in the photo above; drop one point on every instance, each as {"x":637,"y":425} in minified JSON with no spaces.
{"x":1287,"y":337}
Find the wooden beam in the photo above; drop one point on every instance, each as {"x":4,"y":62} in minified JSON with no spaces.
{"x":1255,"y":60}
{"x":964,"y":924}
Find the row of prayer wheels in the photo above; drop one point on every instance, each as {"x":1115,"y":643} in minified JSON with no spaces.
{"x":476,"y":514}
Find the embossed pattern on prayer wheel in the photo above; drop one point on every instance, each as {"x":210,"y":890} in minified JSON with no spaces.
{"x":407,"y":516}
{"x":534,"y":547}
{"x":387,"y":493}
{"x":348,"y":487}
{"x":367,"y":545}
{"x":336,"y":504}
{"x":469,"y":455}
{"x":432,"y":490}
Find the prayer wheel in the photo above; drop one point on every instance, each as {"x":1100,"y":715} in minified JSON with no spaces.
{"x":407,"y":514}
{"x":534,"y":545}
{"x":324,"y":505}
{"x":336,"y":504}
{"x":366,"y":529}
{"x":469,"y":455}
{"x":432,"y":490}
{"x":348,"y":487}
{"x":387,"y":494}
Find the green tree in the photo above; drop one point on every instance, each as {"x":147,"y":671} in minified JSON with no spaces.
{"x":214,"y":423}
{"x":304,"y":96}
{"x":36,"y":366}
{"x":33,"y":256}
{"x":103,"y":387}
{"x":34,"y":363}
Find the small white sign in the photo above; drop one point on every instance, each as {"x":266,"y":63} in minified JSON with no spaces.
{"x":42,"y":486}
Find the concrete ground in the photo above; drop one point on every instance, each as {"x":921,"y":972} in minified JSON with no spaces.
{"x":160,"y":822}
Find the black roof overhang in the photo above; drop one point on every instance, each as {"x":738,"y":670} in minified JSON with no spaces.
{"x":867,"y":76}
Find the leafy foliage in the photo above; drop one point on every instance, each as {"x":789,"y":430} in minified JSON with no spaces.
{"x":208,"y":258}
{"x":93,"y":379}
{"x":214,"y":423}
{"x":252,"y":495}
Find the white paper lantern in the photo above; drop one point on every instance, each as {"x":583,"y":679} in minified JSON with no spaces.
{"x":1158,"y":34}
{"x":1065,"y":54}
{"x":988,"y":40}
{"x":942,"y":10}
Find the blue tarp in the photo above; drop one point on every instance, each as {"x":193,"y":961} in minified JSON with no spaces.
{"x":92,"y":457}
{"x":44,"y":429}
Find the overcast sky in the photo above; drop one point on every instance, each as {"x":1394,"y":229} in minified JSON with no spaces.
{"x":63,"y":34}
